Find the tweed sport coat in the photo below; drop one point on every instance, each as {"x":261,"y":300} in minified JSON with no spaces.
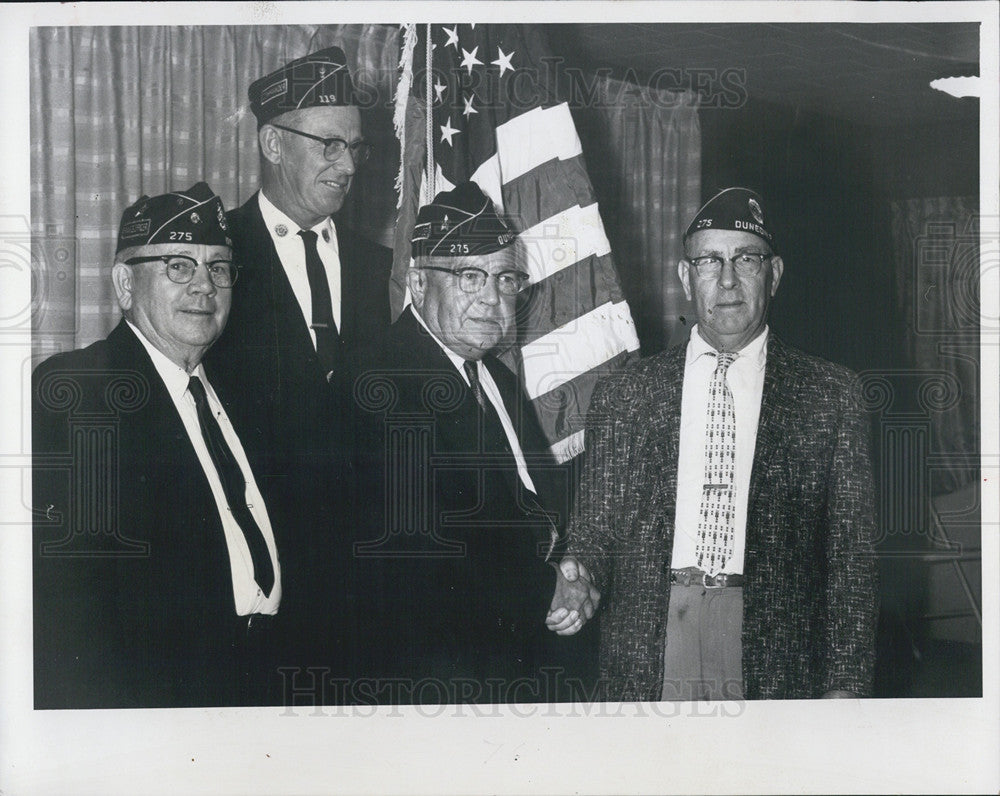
{"x":810,"y":599}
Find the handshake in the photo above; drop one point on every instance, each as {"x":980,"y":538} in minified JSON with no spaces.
{"x":575,"y":599}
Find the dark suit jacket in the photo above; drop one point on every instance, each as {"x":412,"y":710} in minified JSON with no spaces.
{"x":266,"y":350}
{"x":297,"y":421}
{"x":810,"y":599}
{"x":465,"y":592}
{"x":133,"y":597}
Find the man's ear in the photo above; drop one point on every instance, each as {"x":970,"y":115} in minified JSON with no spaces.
{"x":416,"y":281}
{"x":684,"y":273}
{"x":270,"y":143}
{"x":777,"y":269}
{"x":122,"y":277}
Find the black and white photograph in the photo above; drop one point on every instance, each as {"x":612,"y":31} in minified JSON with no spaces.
{"x":576,"y":397}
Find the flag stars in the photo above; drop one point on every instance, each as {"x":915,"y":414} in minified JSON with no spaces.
{"x":469,"y":60}
{"x":452,"y":37}
{"x":503,"y":61}
{"x":447,"y":131}
{"x":469,"y":110}
{"x":439,"y":89}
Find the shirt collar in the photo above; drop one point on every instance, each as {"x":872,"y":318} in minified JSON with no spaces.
{"x":456,"y":360}
{"x":174,"y":376}
{"x":275,"y":219}
{"x":754,"y":352}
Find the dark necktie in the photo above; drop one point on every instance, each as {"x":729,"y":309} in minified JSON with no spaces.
{"x":234,"y":486}
{"x":494,"y":438}
{"x":718,"y":512}
{"x":322,"y":307}
{"x":472,"y":371}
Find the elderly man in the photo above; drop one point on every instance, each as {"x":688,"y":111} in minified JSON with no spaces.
{"x":156,"y":574}
{"x":459,"y":555}
{"x":310,"y":290}
{"x":726,"y":506}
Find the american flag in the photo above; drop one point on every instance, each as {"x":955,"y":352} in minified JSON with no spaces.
{"x":497,"y":120}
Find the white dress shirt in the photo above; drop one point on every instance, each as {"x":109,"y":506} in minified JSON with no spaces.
{"x":292,"y":253}
{"x":247,"y":595}
{"x":745,"y":378}
{"x":492,"y":392}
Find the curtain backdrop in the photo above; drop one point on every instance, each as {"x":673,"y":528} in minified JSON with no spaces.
{"x":644,"y":147}
{"x":936,"y":243}
{"x":119,"y":112}
{"x":123,"y":111}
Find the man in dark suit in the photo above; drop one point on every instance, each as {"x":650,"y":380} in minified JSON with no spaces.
{"x":156,"y":574}
{"x":460,"y":577}
{"x":310,"y":291}
{"x":726,"y":508}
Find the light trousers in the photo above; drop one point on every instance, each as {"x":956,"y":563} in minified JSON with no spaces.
{"x":704,"y":651}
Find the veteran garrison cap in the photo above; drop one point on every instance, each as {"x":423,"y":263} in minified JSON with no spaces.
{"x":738,"y":209}
{"x":314,"y":81}
{"x":459,"y":223}
{"x":192,"y":216}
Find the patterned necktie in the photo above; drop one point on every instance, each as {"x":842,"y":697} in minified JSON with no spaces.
{"x":717,"y":515}
{"x":234,"y":486}
{"x":322,"y":306}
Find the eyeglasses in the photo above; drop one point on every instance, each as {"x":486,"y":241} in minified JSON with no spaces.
{"x":745,"y":264}
{"x":334,"y":148}
{"x":181,"y":268}
{"x":472,"y":280}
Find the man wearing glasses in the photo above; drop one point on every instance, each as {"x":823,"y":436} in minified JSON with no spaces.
{"x":157,"y":581}
{"x":310,"y":291}
{"x":461,"y":583}
{"x":726,"y":508}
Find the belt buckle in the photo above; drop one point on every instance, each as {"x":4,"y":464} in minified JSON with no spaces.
{"x":718,"y":581}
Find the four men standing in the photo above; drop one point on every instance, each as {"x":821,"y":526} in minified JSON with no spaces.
{"x":725,"y":510}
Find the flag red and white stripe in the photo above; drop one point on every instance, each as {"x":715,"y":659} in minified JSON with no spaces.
{"x":497,"y":120}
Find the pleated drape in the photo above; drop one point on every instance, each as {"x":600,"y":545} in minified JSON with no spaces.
{"x":119,"y":112}
{"x":653,"y":139}
{"x":937,"y":259}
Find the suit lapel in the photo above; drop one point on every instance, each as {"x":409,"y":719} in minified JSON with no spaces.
{"x":532,"y":441}
{"x":662,"y":434}
{"x":161,"y":418}
{"x":286,"y":306}
{"x":163,"y":450}
{"x":290,"y":333}
{"x":418,"y":349}
{"x":779,"y":396}
{"x":351,"y":290}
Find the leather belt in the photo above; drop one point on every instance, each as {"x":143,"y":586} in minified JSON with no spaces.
{"x":692,"y":576}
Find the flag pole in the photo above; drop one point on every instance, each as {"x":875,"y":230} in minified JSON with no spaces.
{"x":429,"y":119}
{"x":402,"y":100}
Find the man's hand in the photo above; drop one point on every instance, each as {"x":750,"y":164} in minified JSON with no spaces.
{"x":575,"y":600}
